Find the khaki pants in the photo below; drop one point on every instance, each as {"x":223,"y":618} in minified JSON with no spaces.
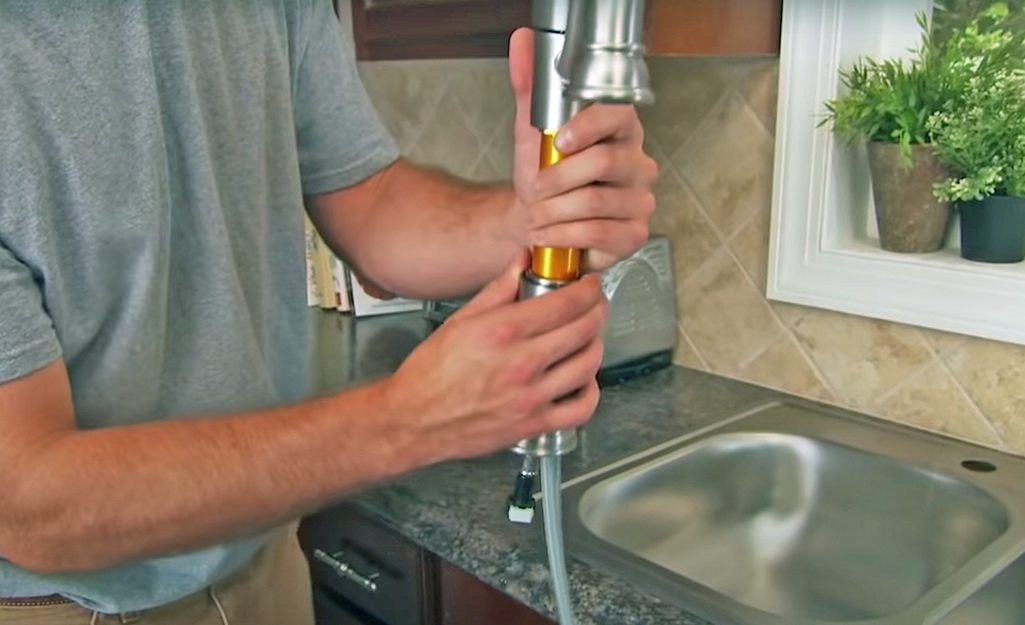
{"x":272,"y":590}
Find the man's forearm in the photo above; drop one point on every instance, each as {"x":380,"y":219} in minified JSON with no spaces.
{"x":89,"y":499}
{"x":421,"y":233}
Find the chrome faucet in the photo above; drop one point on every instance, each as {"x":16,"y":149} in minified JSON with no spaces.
{"x":585,"y":51}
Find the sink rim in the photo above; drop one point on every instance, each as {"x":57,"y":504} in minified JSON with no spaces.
{"x":917,"y":448}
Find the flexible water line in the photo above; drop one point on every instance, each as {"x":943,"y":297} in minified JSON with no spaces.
{"x":551,"y":501}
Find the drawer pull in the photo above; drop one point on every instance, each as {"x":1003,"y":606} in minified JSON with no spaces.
{"x":346,"y":571}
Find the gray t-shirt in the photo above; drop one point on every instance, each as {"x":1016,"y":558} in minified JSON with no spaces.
{"x":153,"y":158}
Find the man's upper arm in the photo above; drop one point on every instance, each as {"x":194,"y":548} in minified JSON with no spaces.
{"x":341,"y":140}
{"x":35,"y":395}
{"x":28,"y":341}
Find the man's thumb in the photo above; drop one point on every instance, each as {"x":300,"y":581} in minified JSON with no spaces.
{"x":521,"y":68}
{"x":504,"y":289}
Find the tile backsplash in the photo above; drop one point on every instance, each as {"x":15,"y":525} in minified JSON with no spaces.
{"x":712,"y":133}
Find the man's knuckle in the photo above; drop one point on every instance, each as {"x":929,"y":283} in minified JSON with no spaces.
{"x":648,"y":204}
{"x":594,"y":197}
{"x":505,"y":333}
{"x":527,"y":402}
{"x":605,"y":163}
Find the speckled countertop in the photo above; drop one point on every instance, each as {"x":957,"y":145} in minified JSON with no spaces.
{"x":456,"y":509}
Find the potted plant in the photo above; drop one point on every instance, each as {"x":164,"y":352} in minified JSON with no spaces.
{"x":887,"y":104}
{"x":980,"y":137}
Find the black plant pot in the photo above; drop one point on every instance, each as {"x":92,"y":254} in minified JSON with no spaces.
{"x":993,"y":229}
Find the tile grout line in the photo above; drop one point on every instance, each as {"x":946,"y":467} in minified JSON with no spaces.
{"x":775,"y":316}
{"x":903,"y":384}
{"x":758,"y":353}
{"x":686,"y":337}
{"x":971,"y":402}
{"x":701,"y":122}
{"x":771,"y":133}
{"x":447,"y":83}
{"x":726,"y":244}
{"x":724,"y":241}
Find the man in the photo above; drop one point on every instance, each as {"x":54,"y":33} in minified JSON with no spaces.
{"x":156,"y":429}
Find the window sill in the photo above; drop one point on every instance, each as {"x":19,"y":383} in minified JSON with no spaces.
{"x":823,"y":250}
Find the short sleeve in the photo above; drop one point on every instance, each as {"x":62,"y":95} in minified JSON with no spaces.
{"x":341,"y":139}
{"x":28,"y":341}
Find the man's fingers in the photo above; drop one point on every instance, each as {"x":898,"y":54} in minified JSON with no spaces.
{"x":617,"y":237}
{"x":521,"y":68}
{"x":600,"y":122}
{"x":574,"y":372}
{"x":539,"y":315}
{"x":593,"y":202}
{"x":546,"y":351}
{"x":573,"y":411}
{"x":611,"y":163}
{"x":502,"y":290}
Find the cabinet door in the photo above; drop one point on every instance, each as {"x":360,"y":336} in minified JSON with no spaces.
{"x":370,"y":569}
{"x":404,"y":29}
{"x":465,"y":600}
{"x":327,"y":612}
{"x":713,"y":27}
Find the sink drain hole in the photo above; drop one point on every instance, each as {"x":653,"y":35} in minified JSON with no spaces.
{"x":979,"y":466}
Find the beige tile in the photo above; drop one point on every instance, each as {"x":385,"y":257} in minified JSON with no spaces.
{"x":653,"y":148}
{"x":677,"y":216}
{"x":500,"y":151}
{"x":725,"y":316}
{"x":501,"y":136}
{"x":447,"y":142}
{"x":789,"y":314}
{"x":736,"y":71}
{"x":685,"y":356}
{"x":685,"y":90}
{"x":934,"y":401}
{"x":483,"y":94}
{"x":994,"y":375}
{"x":728,"y":163}
{"x":943,"y":342}
{"x":861,"y":358}
{"x":784,"y":368}
{"x":405,"y":94}
{"x":751,"y":245}
{"x":486,"y":171}
{"x":759,"y":88}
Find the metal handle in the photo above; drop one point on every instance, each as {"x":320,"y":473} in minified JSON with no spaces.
{"x":346,"y":571}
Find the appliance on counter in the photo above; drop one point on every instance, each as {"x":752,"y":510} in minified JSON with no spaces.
{"x":641,"y":333}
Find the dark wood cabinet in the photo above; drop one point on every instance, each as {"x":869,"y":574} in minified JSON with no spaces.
{"x":465,"y":600}
{"x":365,"y":571}
{"x":417,"y":29}
{"x":404,"y":29}
{"x":366,"y":574}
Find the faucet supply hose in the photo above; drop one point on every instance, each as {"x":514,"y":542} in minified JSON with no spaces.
{"x":551,"y":502}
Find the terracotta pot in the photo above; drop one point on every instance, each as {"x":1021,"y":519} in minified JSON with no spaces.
{"x":910,"y":218}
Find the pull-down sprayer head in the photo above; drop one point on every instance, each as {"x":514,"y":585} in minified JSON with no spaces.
{"x":585,"y":51}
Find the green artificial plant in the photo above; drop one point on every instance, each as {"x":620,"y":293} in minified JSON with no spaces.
{"x":898,"y":100}
{"x":980,"y":133}
{"x":891,"y":100}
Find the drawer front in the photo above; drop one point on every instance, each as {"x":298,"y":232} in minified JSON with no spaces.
{"x":370,"y":566}
{"x":329,"y":613}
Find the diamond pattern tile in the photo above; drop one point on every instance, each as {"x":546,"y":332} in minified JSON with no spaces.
{"x":711,"y":131}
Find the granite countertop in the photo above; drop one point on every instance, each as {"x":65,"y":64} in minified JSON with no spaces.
{"x":457,"y":509}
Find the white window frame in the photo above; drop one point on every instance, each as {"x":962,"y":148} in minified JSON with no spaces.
{"x":822,"y":249}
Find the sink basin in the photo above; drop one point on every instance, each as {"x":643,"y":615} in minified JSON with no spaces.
{"x":796,"y":514}
{"x":1000,"y":602}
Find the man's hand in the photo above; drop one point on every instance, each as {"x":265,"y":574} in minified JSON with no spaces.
{"x":599,"y":197}
{"x":491,"y":375}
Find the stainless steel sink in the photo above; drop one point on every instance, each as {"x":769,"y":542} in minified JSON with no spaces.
{"x":1000,"y":602}
{"x":792,"y":513}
